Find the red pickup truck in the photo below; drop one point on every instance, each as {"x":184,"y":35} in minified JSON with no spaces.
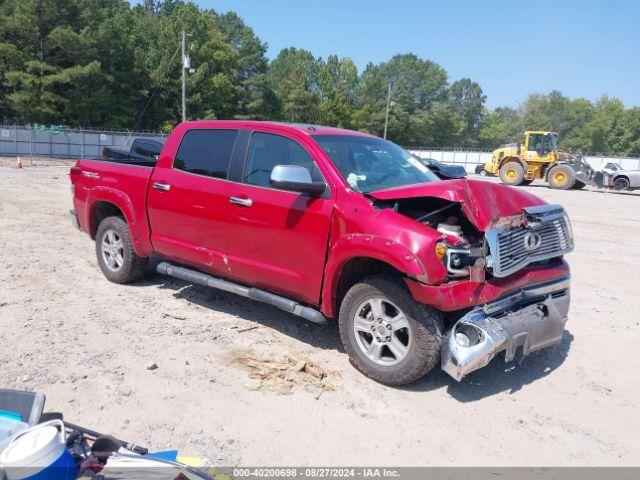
{"x":328,"y":223}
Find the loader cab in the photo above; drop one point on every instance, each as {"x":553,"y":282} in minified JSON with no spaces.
{"x":540,"y":144}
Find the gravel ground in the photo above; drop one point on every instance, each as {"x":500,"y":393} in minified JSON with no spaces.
{"x":225,"y":364}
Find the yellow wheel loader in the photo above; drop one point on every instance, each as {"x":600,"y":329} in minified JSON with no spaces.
{"x":539,"y":158}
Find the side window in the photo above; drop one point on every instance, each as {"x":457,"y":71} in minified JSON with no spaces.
{"x":206,"y":152}
{"x":147,"y":149}
{"x":137,"y":148}
{"x":268,"y":150}
{"x":155,"y":148}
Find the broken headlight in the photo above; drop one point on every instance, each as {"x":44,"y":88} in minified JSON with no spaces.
{"x":458,"y":260}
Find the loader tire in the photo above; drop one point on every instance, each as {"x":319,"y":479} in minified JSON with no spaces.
{"x":512,"y":173}
{"x":398,"y":341}
{"x":562,"y":177}
{"x":116,"y":256}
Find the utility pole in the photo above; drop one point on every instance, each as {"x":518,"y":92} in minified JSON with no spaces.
{"x":184,"y":76}
{"x":386,"y":117}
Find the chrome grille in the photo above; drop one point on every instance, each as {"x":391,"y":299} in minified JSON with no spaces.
{"x":545,"y":234}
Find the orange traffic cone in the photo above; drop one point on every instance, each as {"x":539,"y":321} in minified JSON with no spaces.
{"x":19,"y":164}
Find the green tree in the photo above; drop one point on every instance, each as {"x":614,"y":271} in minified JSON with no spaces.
{"x":337,"y":89}
{"x":606,"y":130}
{"x":416,"y":87}
{"x":293,"y":76}
{"x":211,"y":87}
{"x":254,"y":97}
{"x":467,"y":101}
{"x":631,"y":132}
{"x":500,"y":126}
{"x":70,"y":62}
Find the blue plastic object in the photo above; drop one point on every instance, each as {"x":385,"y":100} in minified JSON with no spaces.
{"x":64,"y":468}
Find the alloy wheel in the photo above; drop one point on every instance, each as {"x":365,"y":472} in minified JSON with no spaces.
{"x":382,"y":331}
{"x":112,"y":250}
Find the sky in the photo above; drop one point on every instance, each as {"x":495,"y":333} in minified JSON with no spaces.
{"x":583,"y":48}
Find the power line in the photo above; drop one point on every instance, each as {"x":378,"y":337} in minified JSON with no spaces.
{"x":153,"y":93}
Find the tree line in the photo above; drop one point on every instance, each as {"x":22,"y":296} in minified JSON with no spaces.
{"x":108,"y":64}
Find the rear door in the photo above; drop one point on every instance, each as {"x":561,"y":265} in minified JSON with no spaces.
{"x":278,"y":239}
{"x":188,"y":201}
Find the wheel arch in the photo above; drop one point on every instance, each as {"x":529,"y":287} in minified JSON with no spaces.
{"x":108,"y":203}
{"x":342,"y":274}
{"x":514,"y":158}
{"x":101,"y":209}
{"x":622,"y":175}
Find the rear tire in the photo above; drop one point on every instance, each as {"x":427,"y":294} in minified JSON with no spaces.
{"x":562,"y":177}
{"x":512,"y":173}
{"x":388,"y":336}
{"x":116,"y":256}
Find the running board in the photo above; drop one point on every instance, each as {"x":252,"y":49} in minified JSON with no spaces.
{"x":193,"y":276}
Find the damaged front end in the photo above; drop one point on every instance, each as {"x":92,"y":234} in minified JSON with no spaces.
{"x":529,"y":319}
{"x":487,"y":234}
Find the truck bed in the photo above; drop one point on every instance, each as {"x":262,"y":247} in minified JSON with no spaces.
{"x":129,"y":160}
{"x":124,"y":183}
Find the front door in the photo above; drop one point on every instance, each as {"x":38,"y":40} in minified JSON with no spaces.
{"x":278,"y":239}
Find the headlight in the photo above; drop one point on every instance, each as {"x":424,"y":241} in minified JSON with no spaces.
{"x":458,"y":260}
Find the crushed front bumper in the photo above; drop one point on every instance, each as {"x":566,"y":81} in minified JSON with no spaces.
{"x":531,"y":318}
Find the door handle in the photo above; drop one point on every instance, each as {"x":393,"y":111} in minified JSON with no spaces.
{"x":245,"y":202}
{"x":164,"y":187}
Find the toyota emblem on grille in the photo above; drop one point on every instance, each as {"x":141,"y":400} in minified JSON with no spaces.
{"x":532,"y":241}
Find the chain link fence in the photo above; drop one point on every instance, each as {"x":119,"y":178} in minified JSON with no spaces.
{"x":62,"y":142}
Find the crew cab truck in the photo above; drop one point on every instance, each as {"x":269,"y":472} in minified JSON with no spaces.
{"x":327,"y":223}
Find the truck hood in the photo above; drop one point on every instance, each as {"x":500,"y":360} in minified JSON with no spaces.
{"x":482,"y":202}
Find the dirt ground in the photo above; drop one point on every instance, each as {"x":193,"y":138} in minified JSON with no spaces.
{"x":246,"y":384}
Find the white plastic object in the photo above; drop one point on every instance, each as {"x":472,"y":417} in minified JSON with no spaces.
{"x":447,"y":229}
{"x":34,"y":449}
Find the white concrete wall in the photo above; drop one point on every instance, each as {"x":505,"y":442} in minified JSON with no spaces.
{"x":469,"y":159}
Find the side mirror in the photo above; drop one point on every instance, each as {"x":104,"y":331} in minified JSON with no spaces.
{"x":295,"y":179}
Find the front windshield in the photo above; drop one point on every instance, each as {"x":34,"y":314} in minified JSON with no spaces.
{"x":370,"y":163}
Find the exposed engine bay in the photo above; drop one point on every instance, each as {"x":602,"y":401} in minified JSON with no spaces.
{"x":539,"y":234}
{"x":463,"y":246}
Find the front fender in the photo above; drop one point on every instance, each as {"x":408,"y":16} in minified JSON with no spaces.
{"x":358,"y":245}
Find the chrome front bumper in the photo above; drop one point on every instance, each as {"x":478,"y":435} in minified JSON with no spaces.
{"x":530,"y":319}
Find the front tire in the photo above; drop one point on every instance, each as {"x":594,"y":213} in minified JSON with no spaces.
{"x":621,"y":184}
{"x":388,"y":336}
{"x":562,"y":177}
{"x":116,"y":255}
